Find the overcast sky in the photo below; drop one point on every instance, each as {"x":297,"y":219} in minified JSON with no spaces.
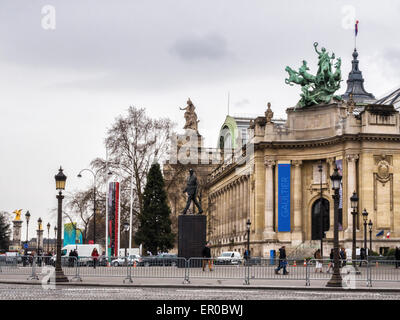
{"x":61,"y":88}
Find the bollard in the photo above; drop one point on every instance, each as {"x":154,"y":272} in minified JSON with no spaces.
{"x":129,"y":272}
{"x":77,"y":276}
{"x":34,"y":276}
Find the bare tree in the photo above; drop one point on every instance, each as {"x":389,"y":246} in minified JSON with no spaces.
{"x":134,"y":142}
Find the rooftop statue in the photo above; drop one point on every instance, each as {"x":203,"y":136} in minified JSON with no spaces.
{"x":320,"y":88}
{"x":190,"y":116}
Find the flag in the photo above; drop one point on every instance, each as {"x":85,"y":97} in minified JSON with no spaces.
{"x":356,"y":28}
{"x":388,"y":235}
{"x":379,"y":234}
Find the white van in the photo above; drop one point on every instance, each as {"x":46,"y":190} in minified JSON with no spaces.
{"x":229,"y":257}
{"x":84,"y":251}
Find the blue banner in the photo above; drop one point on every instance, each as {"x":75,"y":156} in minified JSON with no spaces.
{"x":283,"y":197}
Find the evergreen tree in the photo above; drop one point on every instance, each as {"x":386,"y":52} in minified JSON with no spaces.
{"x":154,"y":231}
{"x":4,"y":231}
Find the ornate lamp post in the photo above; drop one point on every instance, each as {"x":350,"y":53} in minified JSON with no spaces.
{"x":354,"y":206}
{"x":27,"y":217}
{"x":60,"y":185}
{"x":48,"y":237}
{"x":94,"y":198}
{"x":365,"y":217}
{"x":55,"y":235}
{"x":125,"y":229}
{"x":370,"y":236}
{"x":248,"y":224}
{"x":336,"y":279}
{"x":39,"y":234}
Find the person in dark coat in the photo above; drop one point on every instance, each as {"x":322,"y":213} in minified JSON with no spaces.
{"x":343,"y":257}
{"x":331,"y":260}
{"x":362,"y":256}
{"x":191,"y":190}
{"x":282,"y":261}
{"x":397,"y":257}
{"x":207,"y":256}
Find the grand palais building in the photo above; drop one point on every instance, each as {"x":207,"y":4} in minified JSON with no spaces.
{"x":282,"y":184}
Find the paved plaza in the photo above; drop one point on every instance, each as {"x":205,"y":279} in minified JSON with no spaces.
{"x":35,"y":292}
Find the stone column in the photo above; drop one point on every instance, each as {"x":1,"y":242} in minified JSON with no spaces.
{"x":329,"y":172}
{"x":40,"y":239}
{"x":269,"y":232}
{"x":225,"y":213}
{"x":221,"y":205}
{"x":242,"y":202}
{"x":297,"y":234}
{"x":351,"y":187}
{"x":17,"y":224}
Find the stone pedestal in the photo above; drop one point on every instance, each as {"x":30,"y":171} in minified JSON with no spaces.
{"x":191,"y":235}
{"x":17,"y":224}
{"x":40,"y":239}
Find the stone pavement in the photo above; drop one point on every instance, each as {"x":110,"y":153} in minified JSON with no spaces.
{"x":275,"y":284}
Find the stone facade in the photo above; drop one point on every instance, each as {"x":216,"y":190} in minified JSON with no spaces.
{"x":368,"y":145}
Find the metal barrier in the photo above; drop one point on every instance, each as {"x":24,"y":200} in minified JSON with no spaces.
{"x":152,"y":267}
{"x":384,"y":270}
{"x":201,"y":268}
{"x":351,"y":271}
{"x":279,"y":269}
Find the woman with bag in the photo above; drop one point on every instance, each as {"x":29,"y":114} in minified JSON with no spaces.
{"x":318,"y":261}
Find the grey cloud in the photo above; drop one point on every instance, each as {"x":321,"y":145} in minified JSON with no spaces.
{"x":198,"y":47}
{"x":241,"y":103}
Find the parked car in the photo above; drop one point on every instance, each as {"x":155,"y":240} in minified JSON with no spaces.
{"x":162,"y":259}
{"x":121,"y":261}
{"x":229,"y":257}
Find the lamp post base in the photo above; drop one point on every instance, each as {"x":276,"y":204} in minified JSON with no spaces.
{"x":335,"y":282}
{"x":60,"y":277}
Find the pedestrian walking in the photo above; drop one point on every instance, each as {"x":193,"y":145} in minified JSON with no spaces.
{"x":343,"y":256}
{"x":397,"y":257}
{"x":331,"y":261}
{"x":362,"y":255}
{"x":95,"y":256}
{"x":282,"y":261}
{"x":207,"y":256}
{"x":318,"y":261}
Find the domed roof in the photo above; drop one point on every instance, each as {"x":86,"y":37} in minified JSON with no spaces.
{"x":355,"y":84}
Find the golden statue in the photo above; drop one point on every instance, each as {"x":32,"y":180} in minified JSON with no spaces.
{"x":17,"y":215}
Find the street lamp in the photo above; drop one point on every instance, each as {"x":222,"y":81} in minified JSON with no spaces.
{"x":60,"y":185}
{"x":55,"y":235}
{"x":370,"y":235}
{"x":126,"y":228}
{"x":94,"y":198}
{"x":48,"y":237}
{"x":39,"y":229}
{"x":365,"y":217}
{"x":248,"y":224}
{"x":336,"y":279}
{"x":27,"y":217}
{"x":354,"y":206}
